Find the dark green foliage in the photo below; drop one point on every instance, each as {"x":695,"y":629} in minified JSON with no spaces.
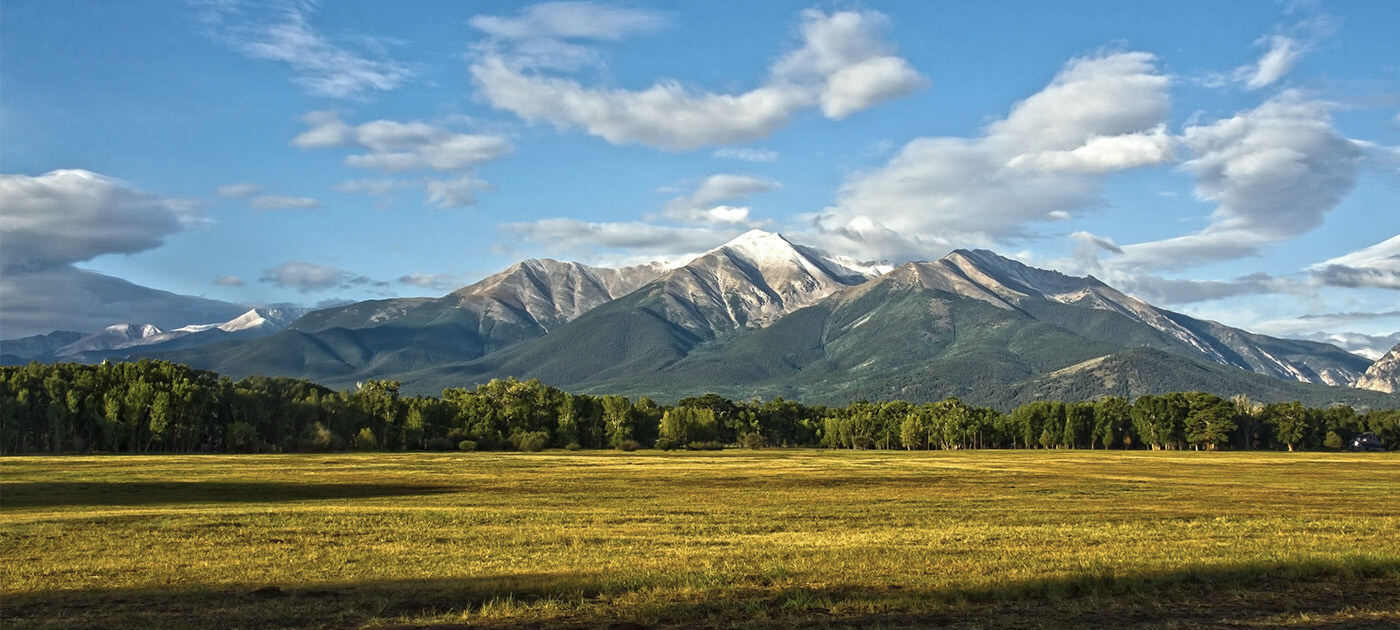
{"x":157,"y":406}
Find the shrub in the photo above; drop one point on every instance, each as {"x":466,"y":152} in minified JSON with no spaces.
{"x":704,"y":446}
{"x":364,"y":440}
{"x":243,"y":438}
{"x":573,"y":446}
{"x":628,"y":445}
{"x":466,"y":445}
{"x":752,"y":441}
{"x":664,"y":444}
{"x":530,"y":441}
{"x":1333,"y":441}
{"x":440,"y":444}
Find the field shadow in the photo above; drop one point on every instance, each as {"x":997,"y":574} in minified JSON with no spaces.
{"x":1354,"y":594}
{"x":50,"y":494}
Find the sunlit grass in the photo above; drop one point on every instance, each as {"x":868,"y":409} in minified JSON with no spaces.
{"x":728,"y":538}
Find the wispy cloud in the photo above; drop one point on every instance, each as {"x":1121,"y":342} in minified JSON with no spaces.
{"x":1377,"y":266}
{"x":435,"y":281}
{"x":397,"y":147}
{"x":747,"y":155}
{"x":306,"y":277}
{"x":238,"y":191}
{"x":703,"y":205}
{"x":282,"y":32}
{"x":843,"y":66}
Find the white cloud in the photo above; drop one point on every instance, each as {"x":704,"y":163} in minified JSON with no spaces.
{"x":1043,"y":162}
{"x":703,"y":207}
{"x":1377,"y":266}
{"x":238,"y":191}
{"x":371,"y":186}
{"x":229,"y":281}
{"x":1283,"y":52}
{"x":571,"y":20}
{"x":307,"y":277}
{"x":1273,"y":172}
{"x":759,"y":155}
{"x":283,"y":202}
{"x":319,"y":65}
{"x":327,"y":130}
{"x":68,"y":216}
{"x":843,"y":67}
{"x":454,"y":193}
{"x":397,"y":147}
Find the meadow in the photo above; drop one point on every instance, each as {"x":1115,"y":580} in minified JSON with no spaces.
{"x":774,"y":538}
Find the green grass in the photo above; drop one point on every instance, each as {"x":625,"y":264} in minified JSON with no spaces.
{"x":806,"y":539}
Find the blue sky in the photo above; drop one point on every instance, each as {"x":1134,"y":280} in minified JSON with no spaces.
{"x":1235,"y":161}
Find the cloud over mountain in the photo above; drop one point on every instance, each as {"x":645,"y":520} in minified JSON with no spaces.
{"x":1044,"y":161}
{"x":68,"y":216}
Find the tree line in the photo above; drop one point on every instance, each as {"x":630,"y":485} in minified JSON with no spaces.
{"x":157,"y":406}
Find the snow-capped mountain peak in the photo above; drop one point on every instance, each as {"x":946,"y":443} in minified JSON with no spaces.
{"x":108,"y":338}
{"x":753,"y":280}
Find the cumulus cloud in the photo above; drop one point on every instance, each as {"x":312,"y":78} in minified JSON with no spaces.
{"x":306,"y":277}
{"x":1273,"y":171}
{"x":283,"y":202}
{"x":397,"y":147}
{"x":320,"y":65}
{"x":1377,"y":266}
{"x":68,"y":216}
{"x":843,"y":66}
{"x":1044,"y":161}
{"x":238,"y":191}
{"x":702,"y":206}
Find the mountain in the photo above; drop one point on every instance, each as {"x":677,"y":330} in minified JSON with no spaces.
{"x":762,"y":316}
{"x":1384,"y":374}
{"x":107,"y":339}
{"x":23,"y":349}
{"x":119,"y":341}
{"x":752,"y":281}
{"x":382,"y":338}
{"x":973,"y":325}
{"x":1009,"y":284}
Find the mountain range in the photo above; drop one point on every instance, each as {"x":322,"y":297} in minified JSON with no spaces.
{"x":763,"y":316}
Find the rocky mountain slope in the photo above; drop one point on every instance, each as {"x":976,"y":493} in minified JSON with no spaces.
{"x":1384,"y":374}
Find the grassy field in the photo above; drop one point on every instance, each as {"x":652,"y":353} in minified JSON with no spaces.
{"x":802,"y":539}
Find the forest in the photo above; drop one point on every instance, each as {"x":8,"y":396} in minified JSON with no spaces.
{"x":157,"y":406}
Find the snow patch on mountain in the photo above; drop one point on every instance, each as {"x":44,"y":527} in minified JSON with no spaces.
{"x":108,"y":338}
{"x":753,"y":280}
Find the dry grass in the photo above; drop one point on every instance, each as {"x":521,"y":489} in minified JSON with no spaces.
{"x":744,"y":539}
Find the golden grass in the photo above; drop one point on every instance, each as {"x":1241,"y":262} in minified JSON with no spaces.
{"x":734,"y":538}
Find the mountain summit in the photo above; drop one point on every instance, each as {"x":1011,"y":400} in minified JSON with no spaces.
{"x":754,"y":280}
